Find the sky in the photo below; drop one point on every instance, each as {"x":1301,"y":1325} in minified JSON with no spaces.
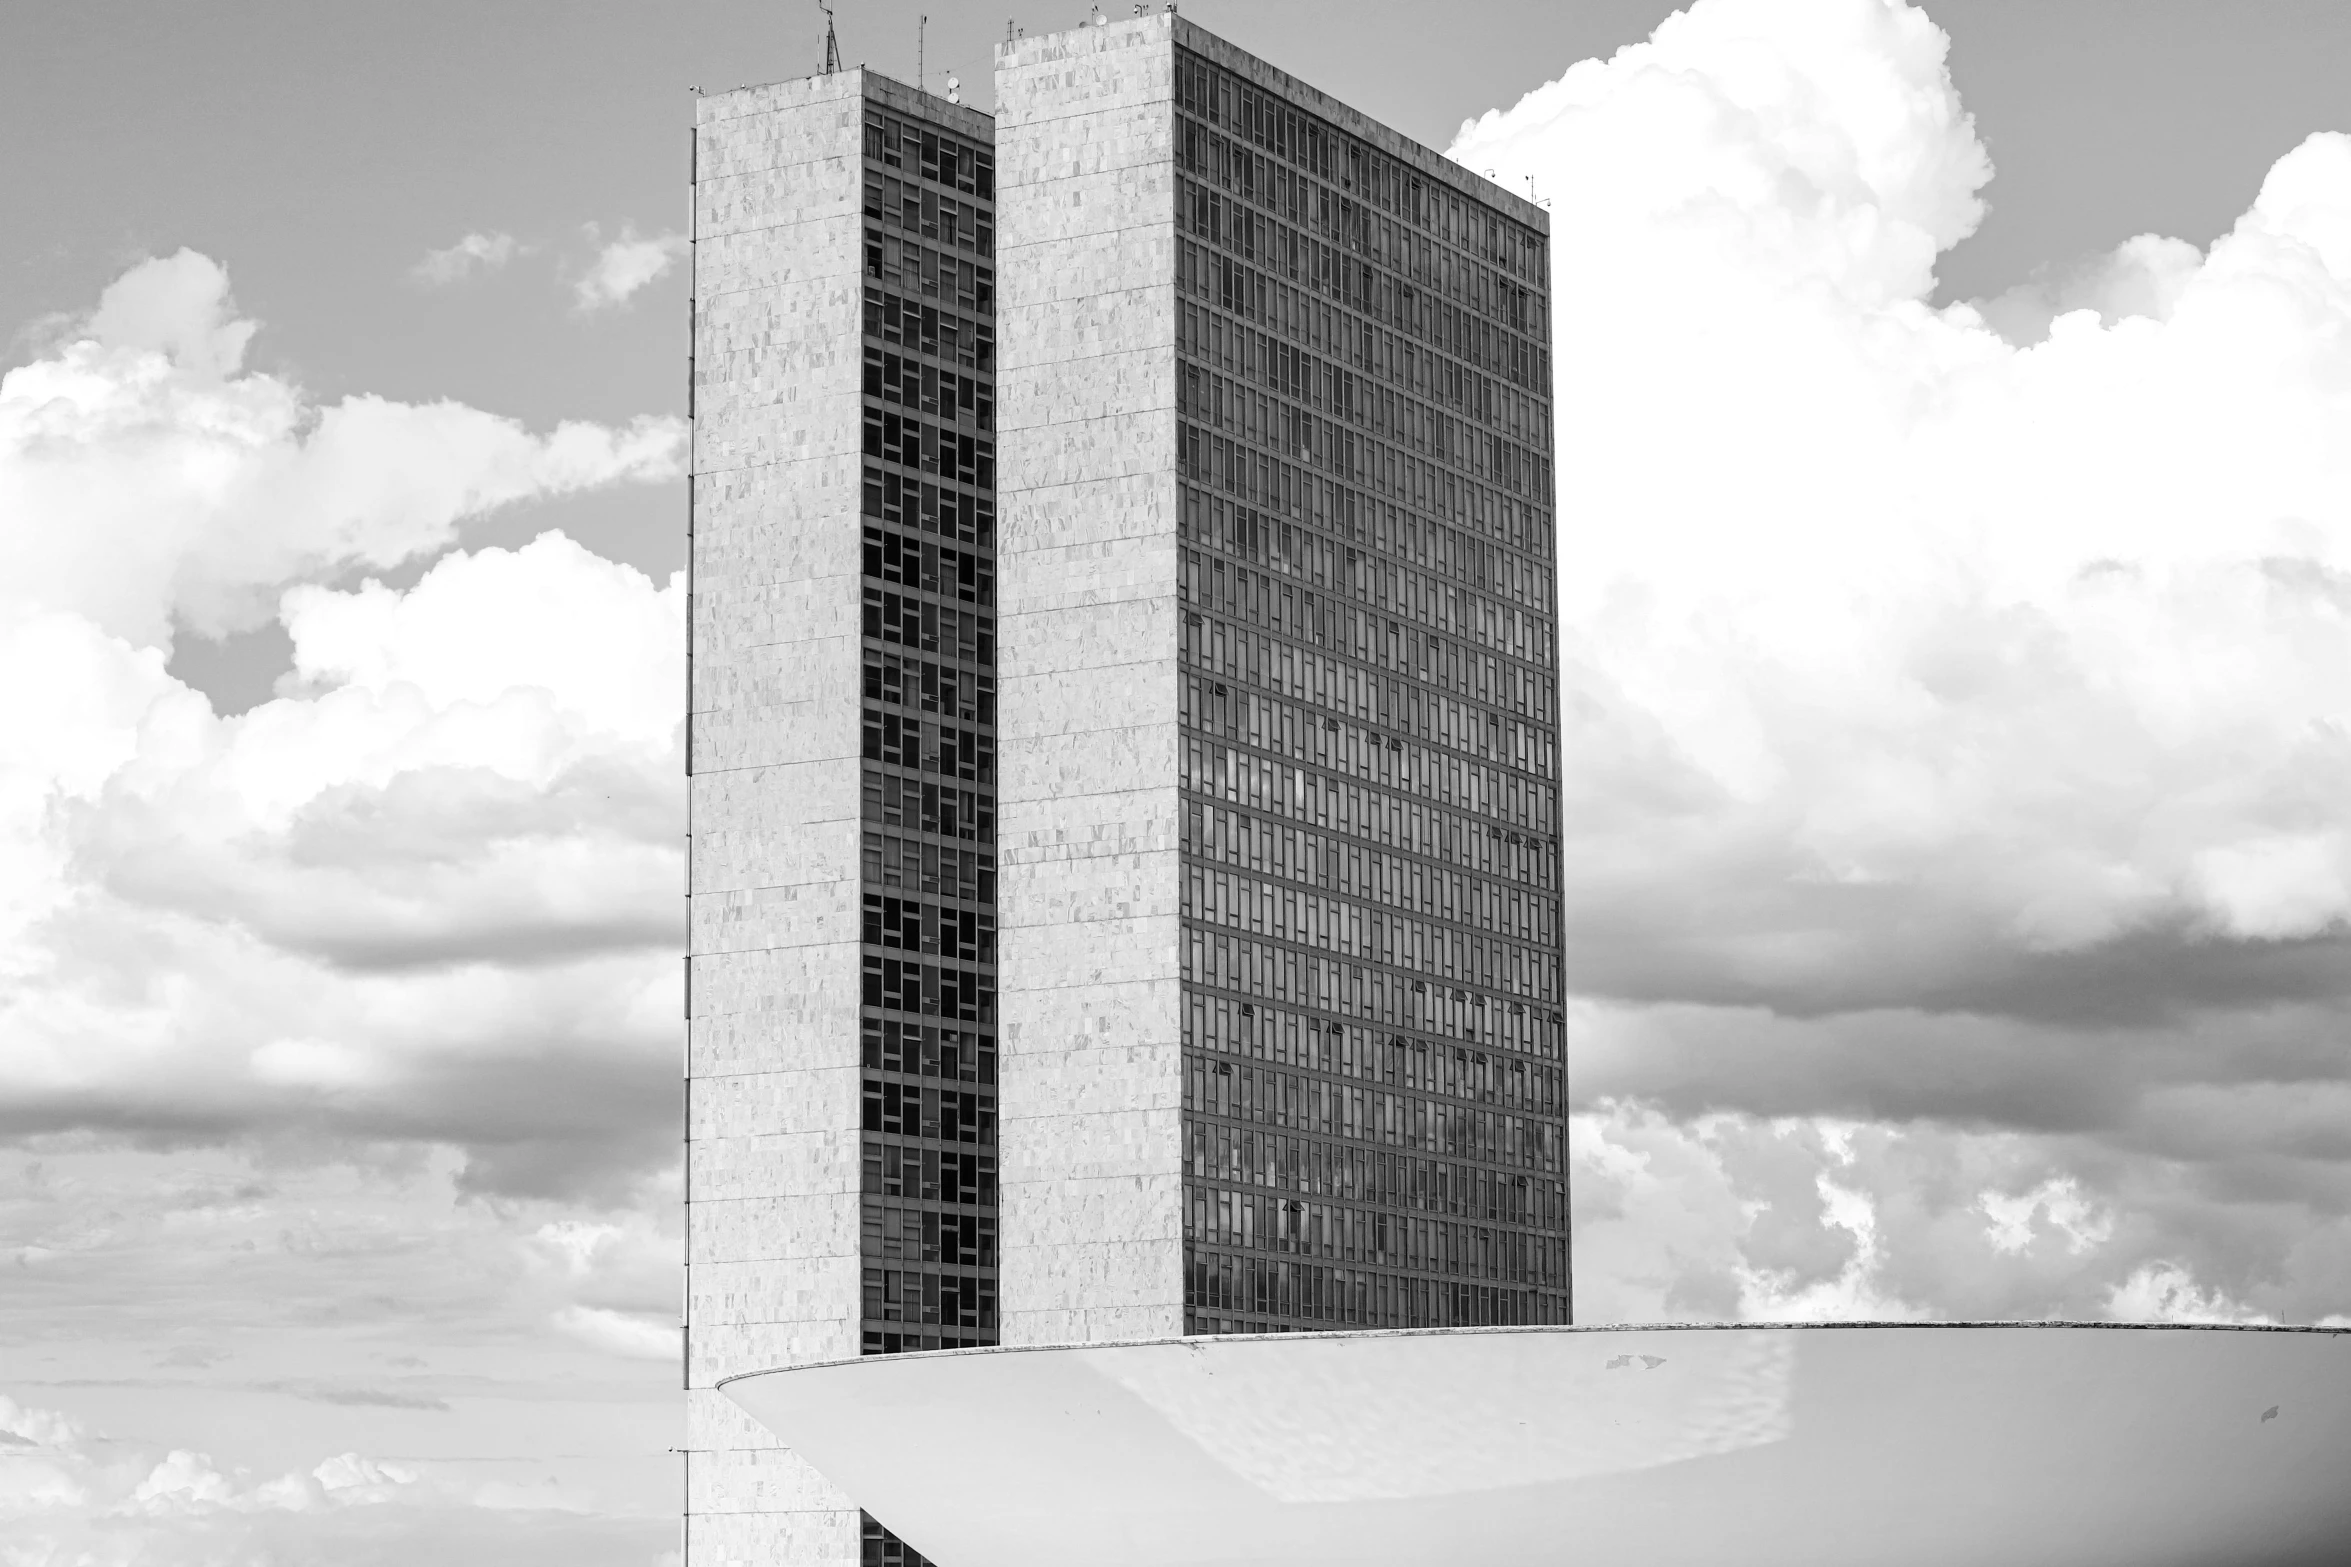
{"x":1954,"y":409}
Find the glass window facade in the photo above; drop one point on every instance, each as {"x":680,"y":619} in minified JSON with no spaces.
{"x":1375,"y":1092}
{"x":929,"y":779}
{"x":929,"y":719}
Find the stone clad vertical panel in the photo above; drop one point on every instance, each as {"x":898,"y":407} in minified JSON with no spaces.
{"x":773,"y":955}
{"x":1088,"y":825}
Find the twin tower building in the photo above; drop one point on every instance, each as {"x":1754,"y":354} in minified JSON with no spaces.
{"x":1124,"y":735}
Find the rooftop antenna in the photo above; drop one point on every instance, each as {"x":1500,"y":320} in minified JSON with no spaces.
{"x":922,"y":78}
{"x":954,"y":89}
{"x":832,"y":45}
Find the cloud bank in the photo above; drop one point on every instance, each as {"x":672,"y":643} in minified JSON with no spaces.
{"x":71,"y":1495}
{"x":435,"y":879}
{"x":1956,"y":702}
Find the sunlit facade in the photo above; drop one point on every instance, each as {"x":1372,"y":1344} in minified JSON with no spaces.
{"x":1124,"y":873}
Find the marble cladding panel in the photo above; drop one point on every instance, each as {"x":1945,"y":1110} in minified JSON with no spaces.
{"x":771,"y":519}
{"x":814,"y":190}
{"x":1049,"y":955}
{"x":1133,"y":137}
{"x":818,"y":658}
{"x":807,"y":422}
{"x":1137,"y":1274}
{"x":807,"y":1288}
{"x":726,"y":1349}
{"x":1090,"y":1044}
{"x":735,"y":1155}
{"x":718,"y":1349}
{"x":798,"y":1282}
{"x":1083,"y":72}
{"x":789,"y":1036}
{"x":801,"y":112}
{"x":1128,"y":571}
{"x":753,"y":261}
{"x":1110,"y":381}
{"x":1041,"y":704}
{"x":1100,"y":1325}
{"x":752,"y":1010}
{"x":1111,"y":864}
{"x":1097,"y":1075}
{"x":774,"y":735}
{"x":764,"y":592}
{"x":774,"y":826}
{"x":756,"y":919}
{"x":737,"y":1538}
{"x":1036,"y":776}
{"x":1131,"y":1017}
{"x":775,"y":413}
{"x":1114,"y":446}
{"x":715,"y":1420}
{"x":1133,"y":513}
{"x":781,"y":1137}
{"x":1093,"y":225}
{"x":761,"y":1479}
{"x":771,"y":1229}
{"x":1124,"y":1209}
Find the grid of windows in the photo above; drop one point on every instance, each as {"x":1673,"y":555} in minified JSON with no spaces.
{"x":1375,"y":1096}
{"x":929,"y":717}
{"x":929,"y":720}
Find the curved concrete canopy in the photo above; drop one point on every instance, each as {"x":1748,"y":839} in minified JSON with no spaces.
{"x":1813,"y":1446}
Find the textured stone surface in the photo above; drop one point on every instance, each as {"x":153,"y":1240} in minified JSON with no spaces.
{"x":1087,"y":815}
{"x":772,"y":1090}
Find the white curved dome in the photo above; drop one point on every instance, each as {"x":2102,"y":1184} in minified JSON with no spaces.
{"x":1846,"y":1445}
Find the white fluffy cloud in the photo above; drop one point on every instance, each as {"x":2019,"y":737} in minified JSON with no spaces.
{"x":436,"y":878}
{"x":624,"y":266}
{"x":633,"y":1334}
{"x":68,"y":1495}
{"x":52,"y":1469}
{"x":1956,"y":696}
{"x":475,"y":253}
{"x":145,"y":480}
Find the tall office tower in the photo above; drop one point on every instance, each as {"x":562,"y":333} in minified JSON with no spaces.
{"x":1133,"y":911}
{"x":841,"y":989}
{"x":1278,"y":831}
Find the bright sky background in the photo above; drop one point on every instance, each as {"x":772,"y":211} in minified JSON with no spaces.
{"x":1959,"y":700}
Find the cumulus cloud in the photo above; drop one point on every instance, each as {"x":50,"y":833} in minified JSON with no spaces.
{"x":621,"y":1333}
{"x":624,"y":266}
{"x":475,"y":253}
{"x":400,"y":906}
{"x":1955,"y":696}
{"x":403,"y":899}
{"x":53,"y":1465}
{"x":145,"y":479}
{"x":71,"y":1495}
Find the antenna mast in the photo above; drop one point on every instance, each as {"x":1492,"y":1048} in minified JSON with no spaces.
{"x":922,"y":77}
{"x":832,"y":45}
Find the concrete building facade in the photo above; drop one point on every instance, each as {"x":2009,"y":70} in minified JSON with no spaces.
{"x":1124,"y":872}
{"x":841,"y":1181}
